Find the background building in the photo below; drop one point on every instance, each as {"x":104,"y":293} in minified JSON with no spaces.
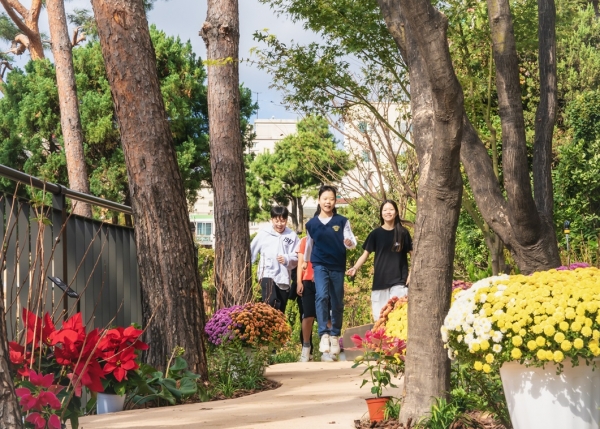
{"x":268,"y":132}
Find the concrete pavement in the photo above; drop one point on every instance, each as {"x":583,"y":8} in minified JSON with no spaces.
{"x":312,"y":395}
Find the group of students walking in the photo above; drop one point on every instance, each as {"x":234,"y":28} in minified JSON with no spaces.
{"x":320,"y":258}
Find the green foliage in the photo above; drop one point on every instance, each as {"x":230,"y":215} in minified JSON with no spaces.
{"x":298,"y":165}
{"x":233,"y":367}
{"x":30,"y":133}
{"x":576,"y":184}
{"x":475,"y":390}
{"x":176,"y":385}
{"x":8,"y":30}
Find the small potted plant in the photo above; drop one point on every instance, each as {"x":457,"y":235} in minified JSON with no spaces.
{"x":542,"y":333}
{"x":118,"y":356}
{"x":383,"y":358}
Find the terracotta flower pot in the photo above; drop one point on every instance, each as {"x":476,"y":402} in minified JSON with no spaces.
{"x":377,"y":407}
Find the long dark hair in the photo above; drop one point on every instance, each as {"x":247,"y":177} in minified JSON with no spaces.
{"x":399,"y":231}
{"x":326,"y":188}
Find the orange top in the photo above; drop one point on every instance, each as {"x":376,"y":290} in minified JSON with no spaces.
{"x":307,"y":274}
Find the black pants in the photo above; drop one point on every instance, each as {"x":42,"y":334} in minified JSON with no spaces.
{"x":273,"y":294}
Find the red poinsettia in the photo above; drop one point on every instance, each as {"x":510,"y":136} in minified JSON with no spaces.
{"x":42,"y":400}
{"x":120,"y":363}
{"x":20,"y":358}
{"x":38,"y":331}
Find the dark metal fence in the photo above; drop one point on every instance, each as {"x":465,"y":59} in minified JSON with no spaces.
{"x":96,"y":260}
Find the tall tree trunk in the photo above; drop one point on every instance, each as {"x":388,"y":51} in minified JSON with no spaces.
{"x":10,"y":412}
{"x":524,"y":225}
{"x":437,"y":105}
{"x":221,"y":35}
{"x":545,"y":116}
{"x":69,"y":106}
{"x":300,"y":215}
{"x":172,"y":306}
{"x":294,"y":214}
{"x":27,"y":21}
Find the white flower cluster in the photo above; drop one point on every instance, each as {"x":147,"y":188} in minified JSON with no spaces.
{"x":476,"y":327}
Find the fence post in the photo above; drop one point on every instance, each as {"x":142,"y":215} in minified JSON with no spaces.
{"x":59,"y":231}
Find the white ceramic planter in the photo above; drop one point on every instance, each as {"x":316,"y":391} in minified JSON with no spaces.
{"x":537,"y":398}
{"x":109,"y":403}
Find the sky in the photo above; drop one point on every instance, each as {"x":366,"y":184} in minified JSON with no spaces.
{"x":184,"y":18}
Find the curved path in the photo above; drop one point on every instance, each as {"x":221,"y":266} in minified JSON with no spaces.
{"x":312,"y":395}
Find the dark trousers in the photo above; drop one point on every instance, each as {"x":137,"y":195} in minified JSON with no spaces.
{"x":273,"y":295}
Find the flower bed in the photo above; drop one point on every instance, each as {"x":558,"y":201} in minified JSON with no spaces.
{"x":549,"y":316}
{"x":394,"y":315}
{"x":254,"y":324}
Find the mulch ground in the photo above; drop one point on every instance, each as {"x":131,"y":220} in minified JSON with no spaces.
{"x":469,"y":420}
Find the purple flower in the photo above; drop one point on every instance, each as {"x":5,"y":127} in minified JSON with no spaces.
{"x":218,"y":327}
{"x":573,"y":266}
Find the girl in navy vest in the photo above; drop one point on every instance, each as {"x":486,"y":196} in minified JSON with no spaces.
{"x":328,"y":236}
{"x":391,"y":243}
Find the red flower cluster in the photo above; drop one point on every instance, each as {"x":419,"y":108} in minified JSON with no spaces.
{"x":41,"y":401}
{"x":89,"y":356}
{"x":377,"y":341}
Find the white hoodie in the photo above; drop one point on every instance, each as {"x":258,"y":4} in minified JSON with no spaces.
{"x":269,"y":243}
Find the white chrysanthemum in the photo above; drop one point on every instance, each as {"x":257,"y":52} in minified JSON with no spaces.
{"x":444,"y":332}
{"x":450,"y":353}
{"x":497,"y":348}
{"x":459,"y":338}
{"x":497,"y":336}
{"x":482,"y":298}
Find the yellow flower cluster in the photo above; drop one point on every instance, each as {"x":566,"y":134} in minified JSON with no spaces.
{"x":547,"y":316}
{"x":259,"y":324}
{"x":396,"y":324}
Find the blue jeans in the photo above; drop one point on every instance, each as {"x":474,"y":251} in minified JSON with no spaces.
{"x":329,"y":286}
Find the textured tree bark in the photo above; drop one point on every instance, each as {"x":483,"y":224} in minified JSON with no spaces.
{"x":172,"y":306}
{"x":221,"y":35}
{"x":10,"y":412}
{"x":27,"y":21}
{"x":437,"y":105}
{"x":545,"y":116}
{"x":69,"y":106}
{"x":523,"y":224}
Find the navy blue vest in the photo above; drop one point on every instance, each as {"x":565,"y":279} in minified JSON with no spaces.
{"x":328,"y":247}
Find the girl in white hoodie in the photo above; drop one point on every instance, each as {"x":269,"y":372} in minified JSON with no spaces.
{"x":276,"y":245}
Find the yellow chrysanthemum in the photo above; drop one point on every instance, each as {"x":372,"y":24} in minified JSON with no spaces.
{"x":558,"y":356}
{"x":559,"y":337}
{"x":489,"y":358}
{"x":486,"y":368}
{"x":578,"y":343}
{"x":566,"y":345}
{"x":517,"y":340}
{"x":541,"y":354}
{"x":549,"y":330}
{"x":531,"y":345}
{"x":478,"y":365}
{"x":540,"y":341}
{"x":485,"y":344}
{"x":516,"y":353}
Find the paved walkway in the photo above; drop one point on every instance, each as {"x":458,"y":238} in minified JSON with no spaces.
{"x":312,"y":395}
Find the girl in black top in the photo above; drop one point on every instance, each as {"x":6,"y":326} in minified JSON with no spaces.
{"x":391,"y":243}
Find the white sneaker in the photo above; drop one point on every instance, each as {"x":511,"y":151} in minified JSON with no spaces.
{"x":324,"y":344}
{"x":305,"y":356}
{"x":334,"y":347}
{"x":326,"y":357}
